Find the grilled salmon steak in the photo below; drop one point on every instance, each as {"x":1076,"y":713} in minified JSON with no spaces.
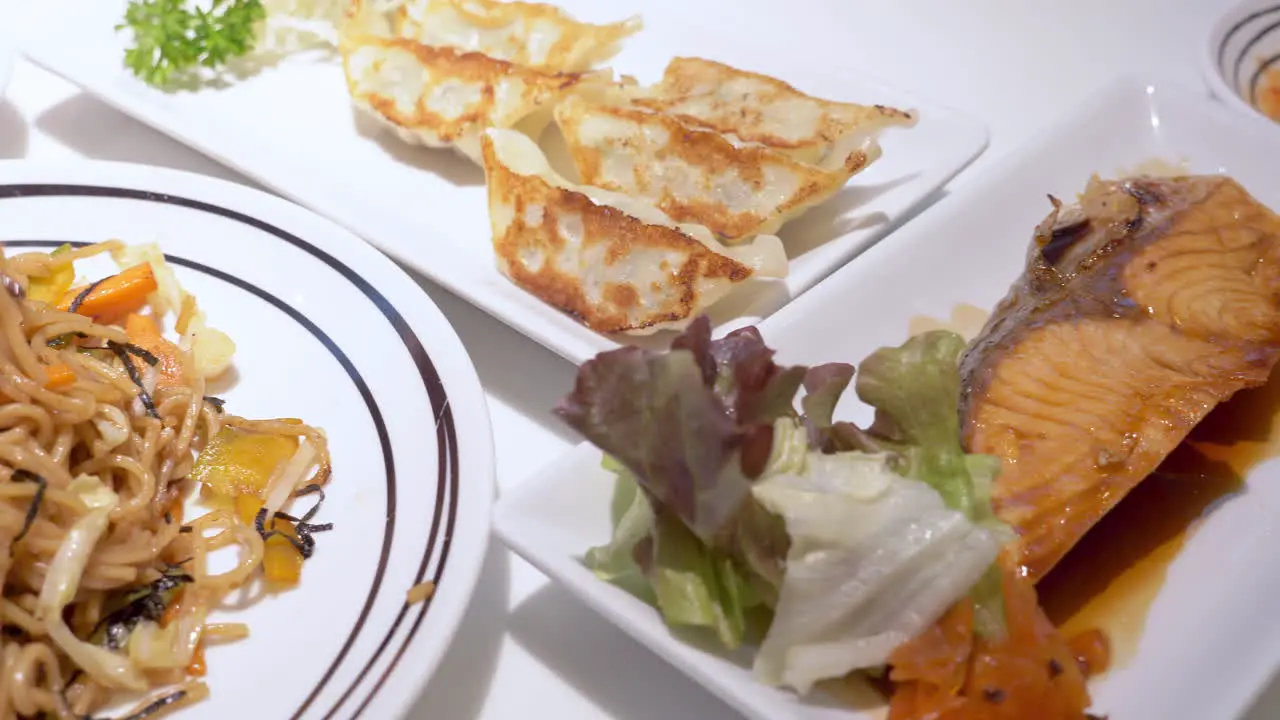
{"x":1142,"y":307}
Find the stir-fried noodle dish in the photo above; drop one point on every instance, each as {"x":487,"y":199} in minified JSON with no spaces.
{"x":108,"y":426}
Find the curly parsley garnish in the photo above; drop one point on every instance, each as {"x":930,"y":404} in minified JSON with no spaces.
{"x":169,"y":37}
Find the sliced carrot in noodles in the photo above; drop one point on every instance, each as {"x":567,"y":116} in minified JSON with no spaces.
{"x":143,"y":332}
{"x":197,"y":667}
{"x":112,"y":298}
{"x":60,"y":376}
{"x":950,"y":673}
{"x":281,"y":561}
{"x":174,"y":608}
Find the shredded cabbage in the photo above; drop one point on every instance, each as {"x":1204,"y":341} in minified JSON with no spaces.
{"x":286,"y":480}
{"x":169,"y":647}
{"x":114,"y":427}
{"x":211,"y":349}
{"x":875,"y":558}
{"x":63,"y":580}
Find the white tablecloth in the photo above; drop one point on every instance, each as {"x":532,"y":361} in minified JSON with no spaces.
{"x":527,"y":648}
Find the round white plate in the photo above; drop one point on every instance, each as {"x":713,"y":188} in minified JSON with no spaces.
{"x":328,"y":330}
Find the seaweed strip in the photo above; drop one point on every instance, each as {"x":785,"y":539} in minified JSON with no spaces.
{"x":132,"y":369}
{"x":311,"y":490}
{"x":152,"y":708}
{"x":149,"y":605}
{"x":57,"y":342}
{"x":260,"y":524}
{"x":304,"y":543}
{"x":36,"y":500}
{"x":307,"y":542}
{"x":156,"y":706}
{"x":146,"y":355}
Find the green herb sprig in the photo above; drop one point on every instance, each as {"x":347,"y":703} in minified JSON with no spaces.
{"x":170,"y":37}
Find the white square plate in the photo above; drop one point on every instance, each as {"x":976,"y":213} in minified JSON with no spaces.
{"x":292,"y":129}
{"x":1210,"y":640}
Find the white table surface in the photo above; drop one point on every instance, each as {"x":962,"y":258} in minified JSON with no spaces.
{"x":526,"y":648}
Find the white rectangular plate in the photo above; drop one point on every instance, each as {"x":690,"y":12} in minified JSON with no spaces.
{"x":1210,"y":641}
{"x":292,"y":129}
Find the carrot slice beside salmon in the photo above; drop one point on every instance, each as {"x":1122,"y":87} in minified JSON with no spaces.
{"x":951,"y":673}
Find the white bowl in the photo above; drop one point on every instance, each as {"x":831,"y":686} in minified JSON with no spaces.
{"x":1243,"y":45}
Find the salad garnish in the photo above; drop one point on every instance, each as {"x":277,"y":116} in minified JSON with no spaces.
{"x":829,"y":543}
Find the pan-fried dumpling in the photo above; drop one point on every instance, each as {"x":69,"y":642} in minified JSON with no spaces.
{"x":756,"y":108}
{"x":441,"y":96}
{"x":697,"y":176}
{"x":615,"y":263}
{"x":539,"y":36}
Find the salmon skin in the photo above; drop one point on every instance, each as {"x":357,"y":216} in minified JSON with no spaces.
{"x":1142,"y":307}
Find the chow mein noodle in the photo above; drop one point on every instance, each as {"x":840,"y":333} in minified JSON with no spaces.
{"x":107,"y":426}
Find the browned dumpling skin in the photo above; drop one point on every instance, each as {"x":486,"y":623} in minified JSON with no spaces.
{"x":616,"y":264}
{"x":534,"y":35}
{"x":697,"y":176}
{"x":754,"y":108}
{"x":440,"y":72}
{"x":442,"y":97}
